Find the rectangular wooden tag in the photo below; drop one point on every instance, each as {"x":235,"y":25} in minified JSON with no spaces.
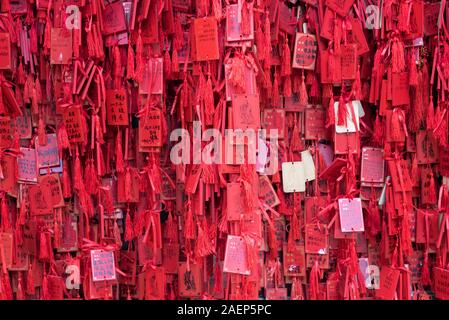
{"x":323,"y":260}
{"x":316,"y":238}
{"x":431,"y":216}
{"x":389,"y":278}
{"x":61,"y":46}
{"x":190,"y":281}
{"x":427,"y":151}
{"x":69,"y":234}
{"x":117,"y":107}
{"x":235,"y":202}
{"x":9,"y":167}
{"x":23,"y":124}
{"x":73,"y":120}
{"x":206,"y":39}
{"x":47,"y":155}
{"x":6,"y":239}
{"x":400,"y":89}
{"x":359,"y":37}
{"x":315,"y":120}
{"x":27,"y":165}
{"x":114,"y":18}
{"x":236,"y":260}
{"x":6,"y":133}
{"x":372,"y":167}
{"x":431,"y":14}
{"x":51,"y":187}
{"x":155,"y":283}
{"x":351,"y":215}
{"x":246,"y":113}
{"x":39,"y":203}
{"x":293,"y":179}
{"x":348,"y":61}
{"x":352,"y":125}
{"x":397,"y":186}
{"x":150,"y":130}
{"x":306,"y":48}
{"x":267,"y":193}
{"x":441,"y":286}
{"x":274,"y":119}
{"x":103,"y":265}
{"x":233,"y":24}
{"x":5,"y":51}
{"x":170,"y":257}
{"x":294,"y":262}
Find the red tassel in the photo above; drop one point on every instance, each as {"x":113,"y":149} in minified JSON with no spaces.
{"x":267,"y":34}
{"x":296,"y":82}
{"x":430,"y":115}
{"x":139,"y":58}
{"x":130,"y":71}
{"x":167,"y":65}
{"x":413,"y":73}
{"x":414,"y":171}
{"x":337,"y":34}
{"x":378,"y":131}
{"x":218,"y":285}
{"x":128,"y":186}
{"x":6,"y":284}
{"x":396,"y":127}
{"x":331,"y":113}
{"x":342,"y":112}
{"x":432,"y":189}
{"x":117,"y":237}
{"x":43,"y":247}
{"x":425,"y":273}
{"x":78,"y":182}
{"x":303,"y":98}
{"x":236,"y":74}
{"x":315,"y":88}
{"x":21,"y":76}
{"x":397,"y":60}
{"x":296,"y":144}
{"x":175,"y":61}
{"x":31,"y":290}
{"x":357,"y":86}
{"x":66,"y":184}
{"x":189,"y":231}
{"x":45,"y":294}
{"x":119,"y":162}
{"x":204,"y":247}
{"x":91,"y":182}
{"x":287,"y":87}
{"x":294,"y":233}
{"x":286,"y":62}
{"x":37,"y":85}
{"x":209,"y":107}
{"x":6,"y":224}
{"x":245,"y":24}
{"x":275,"y":94}
{"x":20,"y":295}
{"x":314,"y":288}
{"x":129,"y":235}
{"x":117,"y":62}
{"x":260,"y":43}
{"x":41,"y":132}
{"x":63,"y":139}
